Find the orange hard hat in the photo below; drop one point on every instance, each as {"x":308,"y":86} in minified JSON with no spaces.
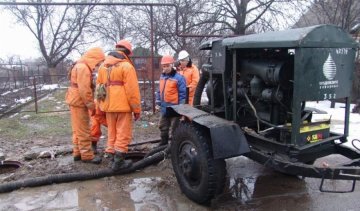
{"x":125,"y":44}
{"x":167,"y":59}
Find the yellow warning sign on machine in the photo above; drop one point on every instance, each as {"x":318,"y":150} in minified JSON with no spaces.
{"x":311,"y":128}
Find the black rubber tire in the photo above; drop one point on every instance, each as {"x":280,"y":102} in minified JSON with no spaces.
{"x":200,"y":177}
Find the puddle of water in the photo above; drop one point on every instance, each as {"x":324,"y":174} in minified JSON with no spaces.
{"x":37,"y":200}
{"x":250,"y":186}
{"x":127,"y":192}
{"x":251,"y":189}
{"x":141,"y":191}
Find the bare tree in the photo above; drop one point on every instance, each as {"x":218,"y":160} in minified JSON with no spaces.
{"x":58,"y":30}
{"x":250,"y":16}
{"x":194,"y":17}
{"x":112,"y":24}
{"x":202,"y":17}
{"x":343,"y":13}
{"x":220,"y":17}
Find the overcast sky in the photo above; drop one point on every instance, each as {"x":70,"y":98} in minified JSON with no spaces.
{"x":15,"y":39}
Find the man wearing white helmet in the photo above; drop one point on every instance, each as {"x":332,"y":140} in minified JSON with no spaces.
{"x":190,"y":73}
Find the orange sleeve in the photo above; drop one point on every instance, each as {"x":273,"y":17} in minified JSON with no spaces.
{"x":194,"y":78}
{"x":84,"y":85}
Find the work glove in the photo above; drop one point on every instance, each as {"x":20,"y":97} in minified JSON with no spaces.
{"x":136,"y":116}
{"x":157,"y":108}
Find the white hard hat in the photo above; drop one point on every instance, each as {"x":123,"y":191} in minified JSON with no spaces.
{"x":183,"y":54}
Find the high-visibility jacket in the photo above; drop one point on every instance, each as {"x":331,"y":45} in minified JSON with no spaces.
{"x":172,"y":91}
{"x":122,"y":87}
{"x":80,"y":91}
{"x":192,"y":77}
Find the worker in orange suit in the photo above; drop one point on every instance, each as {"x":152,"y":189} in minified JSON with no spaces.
{"x":80,"y":98}
{"x":190,"y":73}
{"x":121,"y":103}
{"x":98,"y":119}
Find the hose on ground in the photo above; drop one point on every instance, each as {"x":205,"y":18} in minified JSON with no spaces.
{"x":70,"y":177}
{"x":156,"y":150}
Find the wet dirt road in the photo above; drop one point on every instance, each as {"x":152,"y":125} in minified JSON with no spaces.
{"x":250,"y":187}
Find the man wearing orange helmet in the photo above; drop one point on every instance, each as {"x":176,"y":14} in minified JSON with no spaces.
{"x":190,"y":72}
{"x":172,"y":91}
{"x":122,"y":100}
{"x":80,"y":98}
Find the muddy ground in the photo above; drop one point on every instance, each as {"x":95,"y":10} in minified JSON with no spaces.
{"x":42,"y":141}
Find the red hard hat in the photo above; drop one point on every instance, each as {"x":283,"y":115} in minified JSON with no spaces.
{"x":125,"y":44}
{"x":167,"y":59}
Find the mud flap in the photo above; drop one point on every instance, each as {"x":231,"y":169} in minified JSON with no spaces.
{"x":227,"y":139}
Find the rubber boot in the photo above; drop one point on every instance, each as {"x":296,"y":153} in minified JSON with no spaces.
{"x":120,"y":162}
{"x":95,"y":160}
{"x":77,"y":158}
{"x":109,"y":156}
{"x":94,"y":147}
{"x":164,"y":140}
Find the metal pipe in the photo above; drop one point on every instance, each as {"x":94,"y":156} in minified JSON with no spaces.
{"x":152,"y":58}
{"x":85,"y":4}
{"x":234,"y":85}
{"x":35,"y":95}
{"x":347,"y":116}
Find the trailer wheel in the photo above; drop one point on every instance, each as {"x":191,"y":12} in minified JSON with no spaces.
{"x":200,"y":177}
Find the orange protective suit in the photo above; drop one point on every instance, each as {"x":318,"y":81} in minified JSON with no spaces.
{"x":122,"y":99}
{"x":96,"y":121}
{"x":192,"y":76}
{"x":80,"y":99}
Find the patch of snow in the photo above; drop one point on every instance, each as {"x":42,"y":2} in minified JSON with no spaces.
{"x":23,"y":100}
{"x":14,"y":115}
{"x":25,"y":116}
{"x":204,"y":98}
{"x":49,"y":87}
{"x":5,"y":93}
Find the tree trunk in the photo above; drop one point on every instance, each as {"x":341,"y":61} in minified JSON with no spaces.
{"x":53,"y":75}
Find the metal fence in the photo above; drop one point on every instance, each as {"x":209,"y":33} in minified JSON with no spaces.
{"x":19,"y":88}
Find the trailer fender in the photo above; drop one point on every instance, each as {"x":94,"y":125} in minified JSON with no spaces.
{"x":227,"y":139}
